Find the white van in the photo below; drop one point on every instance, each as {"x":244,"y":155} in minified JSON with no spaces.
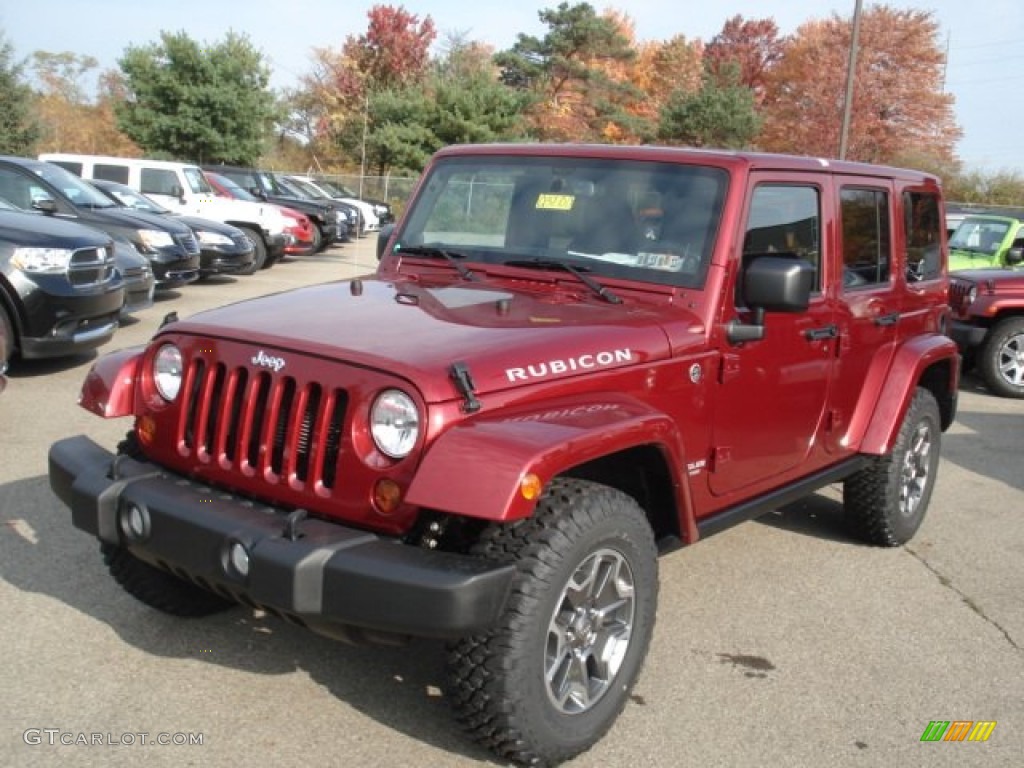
{"x":184,"y":189}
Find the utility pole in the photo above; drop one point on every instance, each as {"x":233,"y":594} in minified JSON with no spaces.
{"x":851,"y":69}
{"x":362,"y":159}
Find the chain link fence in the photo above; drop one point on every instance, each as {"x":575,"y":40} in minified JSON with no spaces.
{"x":393,"y":189}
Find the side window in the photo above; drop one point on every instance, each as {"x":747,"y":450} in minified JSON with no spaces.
{"x":785,"y":219}
{"x":922,"y":229}
{"x":866,"y":247}
{"x":156,"y":181}
{"x":67,"y":165}
{"x":15,"y":189}
{"x":108,"y":172}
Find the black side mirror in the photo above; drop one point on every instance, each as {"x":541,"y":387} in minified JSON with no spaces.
{"x":772,"y":284}
{"x":1015,"y":256}
{"x":382,"y":239}
{"x":45,"y":205}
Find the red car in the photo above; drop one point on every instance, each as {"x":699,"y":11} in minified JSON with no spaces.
{"x":301,"y":230}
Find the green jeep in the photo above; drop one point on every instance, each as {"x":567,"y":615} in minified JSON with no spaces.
{"x":986,"y":241}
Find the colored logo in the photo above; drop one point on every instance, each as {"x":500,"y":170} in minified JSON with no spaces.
{"x":958,"y":730}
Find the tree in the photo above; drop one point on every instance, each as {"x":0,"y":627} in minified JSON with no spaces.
{"x":666,"y":68}
{"x":470,"y":104}
{"x":721,"y":114}
{"x":70,"y":119}
{"x":330,"y":106}
{"x":207,"y":103}
{"x":18,"y":129}
{"x":898,"y":102}
{"x":754,"y":46}
{"x":395,"y":51}
{"x":567,"y":72}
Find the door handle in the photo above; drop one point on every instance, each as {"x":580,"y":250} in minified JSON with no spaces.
{"x":823,"y":333}
{"x":890,"y":319}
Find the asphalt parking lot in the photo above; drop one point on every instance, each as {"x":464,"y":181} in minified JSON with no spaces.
{"x":782,"y":642}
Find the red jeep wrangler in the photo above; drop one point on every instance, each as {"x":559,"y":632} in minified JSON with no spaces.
{"x":571,"y":359}
{"x":988,"y":324}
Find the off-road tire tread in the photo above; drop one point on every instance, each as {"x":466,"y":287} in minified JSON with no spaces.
{"x":868,"y":493}
{"x":478,"y":667}
{"x":159,"y":589}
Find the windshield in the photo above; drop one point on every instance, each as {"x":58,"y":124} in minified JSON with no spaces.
{"x":76,"y":190}
{"x":337,"y":188}
{"x":129,"y":198}
{"x":197,"y":182}
{"x":307,"y":189}
{"x":655,"y":222}
{"x":234,"y":190}
{"x":979,"y":235}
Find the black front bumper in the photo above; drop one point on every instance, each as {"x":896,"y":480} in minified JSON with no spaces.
{"x":329,"y":578}
{"x":967,"y":335}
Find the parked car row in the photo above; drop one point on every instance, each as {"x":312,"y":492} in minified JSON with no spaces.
{"x":85,"y":240}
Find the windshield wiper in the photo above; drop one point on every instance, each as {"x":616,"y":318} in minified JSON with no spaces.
{"x":577,"y":272}
{"x":432,"y":252}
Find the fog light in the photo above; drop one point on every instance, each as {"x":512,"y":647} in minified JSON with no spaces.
{"x":134,"y":522}
{"x":238,"y":557}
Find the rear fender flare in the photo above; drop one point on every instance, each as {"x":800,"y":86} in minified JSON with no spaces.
{"x":476,"y":468}
{"x":884,"y":415}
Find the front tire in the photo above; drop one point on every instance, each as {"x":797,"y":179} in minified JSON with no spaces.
{"x":1001,"y":358}
{"x":158,"y":588}
{"x":552,"y":676}
{"x":259,"y":251}
{"x":886,"y":501}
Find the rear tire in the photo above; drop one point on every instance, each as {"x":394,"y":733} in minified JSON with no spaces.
{"x":886,"y":501}
{"x":159,"y":589}
{"x":550,"y":678}
{"x":1001,"y":358}
{"x":259,"y":254}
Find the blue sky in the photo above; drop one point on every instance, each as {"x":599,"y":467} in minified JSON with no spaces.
{"x":985,"y":39}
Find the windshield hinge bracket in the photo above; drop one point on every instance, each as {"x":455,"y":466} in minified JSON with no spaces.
{"x":464,"y":383}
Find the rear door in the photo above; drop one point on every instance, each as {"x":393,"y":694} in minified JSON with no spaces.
{"x":868,"y":310}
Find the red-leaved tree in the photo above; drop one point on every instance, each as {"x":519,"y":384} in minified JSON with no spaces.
{"x":899,"y":106}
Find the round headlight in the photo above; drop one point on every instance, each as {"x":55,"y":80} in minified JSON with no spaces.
{"x":167,"y":371}
{"x":394,"y":423}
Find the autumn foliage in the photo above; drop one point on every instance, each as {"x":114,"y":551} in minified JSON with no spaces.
{"x":898,"y":103}
{"x":392,"y":94}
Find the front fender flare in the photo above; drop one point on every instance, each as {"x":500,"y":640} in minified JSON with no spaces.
{"x":109,"y":387}
{"x":476,"y":467}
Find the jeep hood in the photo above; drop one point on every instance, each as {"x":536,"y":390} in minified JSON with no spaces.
{"x":417,"y":332}
{"x":1002,"y":279}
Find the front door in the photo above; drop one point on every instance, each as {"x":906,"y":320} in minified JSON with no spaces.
{"x":772,"y":393}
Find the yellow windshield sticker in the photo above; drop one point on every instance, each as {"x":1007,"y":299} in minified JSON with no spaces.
{"x":555,"y":202}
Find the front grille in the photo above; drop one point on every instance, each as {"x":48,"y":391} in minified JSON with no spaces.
{"x":91,"y":266}
{"x":188,"y":242}
{"x":958,"y":292}
{"x":261,"y":425}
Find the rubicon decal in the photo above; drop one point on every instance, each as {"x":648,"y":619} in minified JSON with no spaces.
{"x":263,"y":360}
{"x":589,"y":361}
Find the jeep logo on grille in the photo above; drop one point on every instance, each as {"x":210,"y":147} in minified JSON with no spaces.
{"x":263,"y":360}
